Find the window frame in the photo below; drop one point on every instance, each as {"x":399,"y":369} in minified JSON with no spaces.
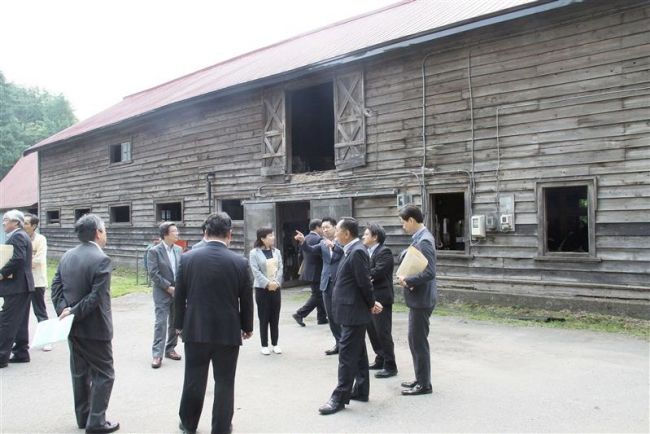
{"x":468,"y":211}
{"x":80,"y":207}
{"x":542,"y":248}
{"x":116,"y":205}
{"x":241,"y":203}
{"x":157,"y":216}
{"x":121,"y":145}
{"x":47,"y":217}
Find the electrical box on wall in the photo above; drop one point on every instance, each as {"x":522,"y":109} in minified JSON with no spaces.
{"x":478,"y":226}
{"x":403,"y":199}
{"x":507,"y":223}
{"x":490,"y":222}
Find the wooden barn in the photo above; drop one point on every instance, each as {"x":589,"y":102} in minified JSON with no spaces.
{"x":522,"y":128}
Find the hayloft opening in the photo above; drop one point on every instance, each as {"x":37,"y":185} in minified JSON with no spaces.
{"x":311,"y":123}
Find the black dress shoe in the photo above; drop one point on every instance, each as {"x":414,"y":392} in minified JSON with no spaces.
{"x":189,"y":431}
{"x":385,"y":373}
{"x":323,"y":321}
{"x":376,"y":366}
{"x":331,"y":407}
{"x":298,"y":319}
{"x":24,"y":359}
{"x":417,"y":390}
{"x":333,"y":351}
{"x":105,"y":428}
{"x":3,"y":365}
{"x":409,"y":384}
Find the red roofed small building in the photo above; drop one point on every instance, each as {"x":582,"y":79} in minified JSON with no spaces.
{"x":19,"y":187}
{"x":520,"y":127}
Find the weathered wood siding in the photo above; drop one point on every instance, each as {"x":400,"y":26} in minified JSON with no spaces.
{"x":572,"y":93}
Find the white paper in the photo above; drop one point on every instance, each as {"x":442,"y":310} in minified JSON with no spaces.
{"x":52,"y":330}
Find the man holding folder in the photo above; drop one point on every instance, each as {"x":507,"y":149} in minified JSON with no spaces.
{"x":420,"y":297}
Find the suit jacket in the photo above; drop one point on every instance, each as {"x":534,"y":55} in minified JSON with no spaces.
{"x":330,"y":260}
{"x":312,"y":263}
{"x":421,"y":289}
{"x":160,"y":268}
{"x":381,"y":272}
{"x":213,"y":300}
{"x":352,"y":297}
{"x":19,"y":266}
{"x":83,"y":282}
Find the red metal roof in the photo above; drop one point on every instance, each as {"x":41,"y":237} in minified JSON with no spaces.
{"x":19,"y":187}
{"x":395,"y":22}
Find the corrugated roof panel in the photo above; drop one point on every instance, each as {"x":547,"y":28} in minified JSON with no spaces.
{"x":395,"y":22}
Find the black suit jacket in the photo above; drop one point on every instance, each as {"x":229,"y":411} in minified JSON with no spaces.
{"x":381,"y":272}
{"x":421,"y":290}
{"x":352,"y":296}
{"x":19,"y":266}
{"x":214,"y":296}
{"x":83,"y":283}
{"x":312,"y":263}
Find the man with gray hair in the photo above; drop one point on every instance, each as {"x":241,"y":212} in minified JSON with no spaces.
{"x":82,"y":286}
{"x":16,"y":287}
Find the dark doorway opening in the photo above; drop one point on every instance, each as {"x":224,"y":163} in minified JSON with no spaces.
{"x":291,"y":216}
{"x":448,"y":210}
{"x":567,"y":219}
{"x":312,"y":129}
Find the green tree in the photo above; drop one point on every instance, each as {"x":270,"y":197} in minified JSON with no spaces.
{"x":27,"y":116}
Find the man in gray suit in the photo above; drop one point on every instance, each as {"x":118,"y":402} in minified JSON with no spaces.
{"x":16,"y":288}
{"x":162,"y":262}
{"x":82,"y":287}
{"x":420,"y":296}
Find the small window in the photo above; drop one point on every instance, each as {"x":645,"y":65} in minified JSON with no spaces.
{"x":120,"y":152}
{"x":448,"y":214}
{"x":171,"y":211}
{"x":80,"y":212}
{"x":312,"y":128}
{"x":233,"y":208}
{"x":120,"y":214}
{"x":52,"y":217}
{"x":567,"y":219}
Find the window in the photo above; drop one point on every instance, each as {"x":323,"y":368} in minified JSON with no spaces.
{"x":53,"y":217}
{"x":120,"y":152}
{"x":311,"y":125}
{"x":80,"y":212}
{"x":169,"y":211}
{"x":448,"y":214}
{"x":566,"y":218}
{"x":120,"y":214}
{"x":234,"y":208}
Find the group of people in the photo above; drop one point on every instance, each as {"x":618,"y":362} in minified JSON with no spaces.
{"x":206,"y":296}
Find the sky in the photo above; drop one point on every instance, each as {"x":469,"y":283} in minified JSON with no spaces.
{"x":95,"y":52}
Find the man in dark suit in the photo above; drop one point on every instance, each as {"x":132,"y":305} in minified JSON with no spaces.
{"x":420,"y":296}
{"x":17,"y":288}
{"x":163,"y":261}
{"x":352,"y":305}
{"x":214,"y":311}
{"x":312,"y":266}
{"x":82,"y":287}
{"x":381,"y":273}
{"x":331,"y":253}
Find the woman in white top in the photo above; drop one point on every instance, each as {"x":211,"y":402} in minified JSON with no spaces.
{"x":266,"y":264}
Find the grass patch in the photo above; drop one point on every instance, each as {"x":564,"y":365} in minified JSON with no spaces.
{"x":525,"y":317}
{"x":564,"y":319}
{"x":123,"y":280}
